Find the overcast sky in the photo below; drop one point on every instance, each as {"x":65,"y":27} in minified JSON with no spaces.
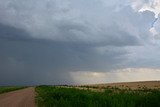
{"x":79,"y":41}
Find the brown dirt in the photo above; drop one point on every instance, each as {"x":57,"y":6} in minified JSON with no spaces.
{"x":131,"y":85}
{"x":19,"y":98}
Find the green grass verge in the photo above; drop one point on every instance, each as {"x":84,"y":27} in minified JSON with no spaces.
{"x":8,"y":89}
{"x":49,"y":96}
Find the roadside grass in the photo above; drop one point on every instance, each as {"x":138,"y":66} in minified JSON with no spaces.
{"x":52,"y":96}
{"x":4,"y":89}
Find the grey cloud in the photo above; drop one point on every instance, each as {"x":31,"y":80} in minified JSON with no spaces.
{"x":42,"y":41}
{"x":75,"y":24}
{"x":29,"y":61}
{"x":12,"y":33}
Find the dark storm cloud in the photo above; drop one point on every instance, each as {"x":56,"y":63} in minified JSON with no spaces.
{"x":25,"y":60}
{"x":82,"y":33}
{"x":42,"y":41}
{"x":11,"y":33}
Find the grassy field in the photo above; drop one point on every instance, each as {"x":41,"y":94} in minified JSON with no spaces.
{"x":8,"y":89}
{"x":51,"y":96}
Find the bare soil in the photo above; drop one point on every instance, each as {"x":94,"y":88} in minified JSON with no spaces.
{"x":19,"y":98}
{"x":132,"y":85}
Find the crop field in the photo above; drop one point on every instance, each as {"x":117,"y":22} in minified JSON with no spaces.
{"x":57,"y":96}
{"x":127,"y":85}
{"x":4,"y":89}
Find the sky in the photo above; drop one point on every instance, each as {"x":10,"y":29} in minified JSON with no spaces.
{"x":79,"y":41}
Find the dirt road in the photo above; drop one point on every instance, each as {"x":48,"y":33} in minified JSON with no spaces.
{"x":19,"y":98}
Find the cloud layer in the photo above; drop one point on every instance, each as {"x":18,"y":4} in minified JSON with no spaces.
{"x":152,"y":6}
{"x":42,"y":42}
{"x":121,"y":75}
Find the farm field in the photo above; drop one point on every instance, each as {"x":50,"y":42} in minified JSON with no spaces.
{"x":129,"y":94}
{"x":126,"y":85}
{"x":75,"y":96}
{"x":4,"y":89}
